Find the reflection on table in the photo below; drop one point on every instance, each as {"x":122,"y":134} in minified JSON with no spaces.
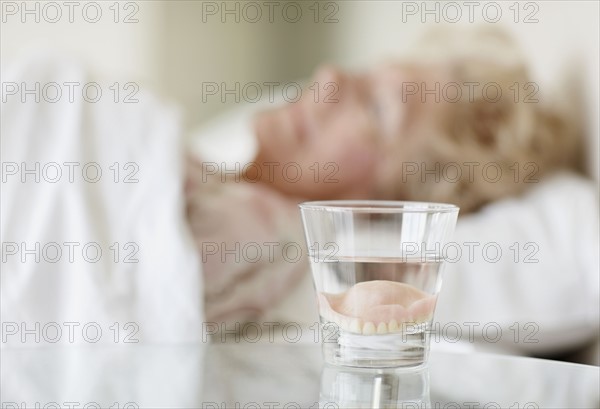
{"x":289,"y":376}
{"x":356,"y":388}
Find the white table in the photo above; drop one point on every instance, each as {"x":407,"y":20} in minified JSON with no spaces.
{"x":271,"y":375}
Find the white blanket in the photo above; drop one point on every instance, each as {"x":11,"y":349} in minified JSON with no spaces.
{"x":86,"y":297}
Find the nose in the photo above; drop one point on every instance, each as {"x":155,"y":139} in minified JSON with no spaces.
{"x":328,"y":74}
{"x":329,"y":83}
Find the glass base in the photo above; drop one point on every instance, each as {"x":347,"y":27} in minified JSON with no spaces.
{"x":403,"y":349}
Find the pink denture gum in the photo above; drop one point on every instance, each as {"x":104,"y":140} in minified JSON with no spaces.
{"x":377,"y":307}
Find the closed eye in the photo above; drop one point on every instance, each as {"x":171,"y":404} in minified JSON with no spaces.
{"x":376,"y":109}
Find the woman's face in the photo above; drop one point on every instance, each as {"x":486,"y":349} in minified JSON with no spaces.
{"x":341,"y":138}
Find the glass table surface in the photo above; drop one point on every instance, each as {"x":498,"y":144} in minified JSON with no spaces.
{"x":265,"y":375}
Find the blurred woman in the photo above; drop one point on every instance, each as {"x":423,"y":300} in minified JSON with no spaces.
{"x":423,"y":128}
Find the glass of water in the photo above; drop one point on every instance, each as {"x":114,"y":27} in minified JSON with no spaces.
{"x":377,"y":270}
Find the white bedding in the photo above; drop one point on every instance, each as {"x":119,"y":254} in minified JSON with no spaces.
{"x":161,"y":292}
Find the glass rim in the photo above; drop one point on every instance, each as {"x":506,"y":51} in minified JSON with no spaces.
{"x":379,"y":206}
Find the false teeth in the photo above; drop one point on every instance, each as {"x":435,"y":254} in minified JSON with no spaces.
{"x":393,"y":326}
{"x":354,"y":327}
{"x":369,"y":328}
{"x":377,"y":307}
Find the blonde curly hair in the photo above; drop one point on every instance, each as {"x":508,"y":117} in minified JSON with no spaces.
{"x":501,"y":142}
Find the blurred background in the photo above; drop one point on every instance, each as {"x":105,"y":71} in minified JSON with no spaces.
{"x":174,"y":49}
{"x":175,"y":46}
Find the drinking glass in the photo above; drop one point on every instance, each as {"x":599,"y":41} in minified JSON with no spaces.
{"x":377,"y":271}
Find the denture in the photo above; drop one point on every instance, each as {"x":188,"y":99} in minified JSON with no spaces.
{"x":377,"y":307}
